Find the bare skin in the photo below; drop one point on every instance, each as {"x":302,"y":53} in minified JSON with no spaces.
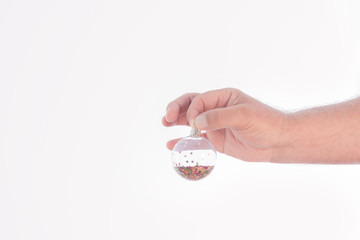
{"x":245,"y":128}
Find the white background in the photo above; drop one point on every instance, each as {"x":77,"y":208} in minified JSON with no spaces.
{"x":83,"y":87}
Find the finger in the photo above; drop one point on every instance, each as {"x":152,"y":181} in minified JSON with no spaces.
{"x":166,"y":123}
{"x":178,"y":106}
{"x":180,"y":121}
{"x":238,"y":116}
{"x":170,"y":144}
{"x":212,"y":100}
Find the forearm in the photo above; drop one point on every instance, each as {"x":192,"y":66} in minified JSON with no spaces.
{"x":328,"y":134}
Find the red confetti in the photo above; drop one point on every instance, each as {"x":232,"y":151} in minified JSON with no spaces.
{"x":194,"y":173}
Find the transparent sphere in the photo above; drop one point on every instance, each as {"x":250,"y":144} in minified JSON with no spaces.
{"x":193,"y":157}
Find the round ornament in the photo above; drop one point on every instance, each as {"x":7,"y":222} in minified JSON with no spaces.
{"x":193,"y":157}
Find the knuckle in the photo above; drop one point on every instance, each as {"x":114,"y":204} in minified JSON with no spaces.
{"x":189,"y":96}
{"x":232,"y":90}
{"x":197,"y":103}
{"x":235,"y":96}
{"x":186,"y":95}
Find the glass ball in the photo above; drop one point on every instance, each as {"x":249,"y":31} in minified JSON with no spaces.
{"x":193,"y":157}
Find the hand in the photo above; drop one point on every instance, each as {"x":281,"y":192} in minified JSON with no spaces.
{"x":235,"y":123}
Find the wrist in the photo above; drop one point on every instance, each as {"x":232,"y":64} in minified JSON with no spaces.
{"x":287,"y":139}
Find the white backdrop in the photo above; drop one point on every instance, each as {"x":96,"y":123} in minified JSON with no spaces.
{"x":83,"y":87}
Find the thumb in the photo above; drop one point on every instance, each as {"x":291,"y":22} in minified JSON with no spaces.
{"x":237,"y":116}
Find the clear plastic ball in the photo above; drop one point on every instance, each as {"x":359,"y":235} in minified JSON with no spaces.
{"x":193,"y":157}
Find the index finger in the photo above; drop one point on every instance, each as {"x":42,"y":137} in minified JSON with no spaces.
{"x":213,"y":99}
{"x":178,"y":106}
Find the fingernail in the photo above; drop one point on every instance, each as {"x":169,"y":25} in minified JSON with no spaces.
{"x":192,"y":123}
{"x":166,"y":114}
{"x":201,"y":122}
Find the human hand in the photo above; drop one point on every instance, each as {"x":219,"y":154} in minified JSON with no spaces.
{"x":235,"y":123}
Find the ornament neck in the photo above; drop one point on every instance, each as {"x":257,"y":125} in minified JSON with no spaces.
{"x":195,"y":132}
